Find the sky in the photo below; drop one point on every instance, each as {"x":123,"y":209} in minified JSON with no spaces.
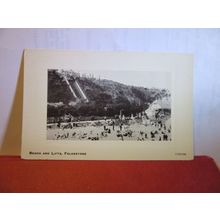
{"x":161,"y":80}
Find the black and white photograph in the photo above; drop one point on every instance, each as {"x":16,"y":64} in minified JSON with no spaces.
{"x":108,"y":105}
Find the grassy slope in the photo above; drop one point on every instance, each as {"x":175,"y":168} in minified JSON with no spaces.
{"x":101,"y":93}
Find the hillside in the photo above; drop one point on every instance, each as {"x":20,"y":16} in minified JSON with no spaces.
{"x":106,"y":97}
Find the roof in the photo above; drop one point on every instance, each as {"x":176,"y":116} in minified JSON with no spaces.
{"x":164,"y":103}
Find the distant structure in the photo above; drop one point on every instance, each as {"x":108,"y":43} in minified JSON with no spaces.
{"x":163,"y":104}
{"x":76,"y":90}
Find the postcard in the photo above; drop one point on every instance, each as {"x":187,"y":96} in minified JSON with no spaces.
{"x":84,"y":105}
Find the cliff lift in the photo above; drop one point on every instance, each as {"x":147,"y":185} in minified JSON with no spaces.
{"x":81,"y":97}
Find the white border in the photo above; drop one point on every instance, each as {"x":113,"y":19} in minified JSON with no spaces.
{"x":114,"y":13}
{"x":109,"y":206}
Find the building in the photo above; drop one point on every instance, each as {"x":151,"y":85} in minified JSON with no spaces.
{"x":159,"y":106}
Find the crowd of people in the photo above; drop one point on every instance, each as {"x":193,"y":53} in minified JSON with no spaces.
{"x":113,"y":129}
